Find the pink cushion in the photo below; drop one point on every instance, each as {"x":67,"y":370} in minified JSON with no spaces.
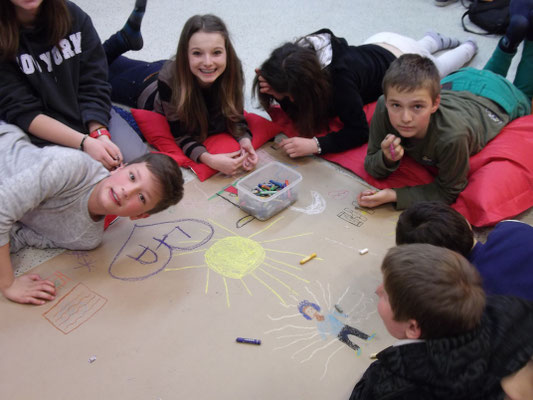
{"x":500,"y":178}
{"x":156,"y":131}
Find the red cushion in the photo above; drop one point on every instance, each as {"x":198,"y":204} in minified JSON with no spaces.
{"x":156,"y":131}
{"x":500,"y":178}
{"x":108,"y":220}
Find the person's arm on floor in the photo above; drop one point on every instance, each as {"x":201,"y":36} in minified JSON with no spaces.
{"x":28,"y":288}
{"x":453,"y":165}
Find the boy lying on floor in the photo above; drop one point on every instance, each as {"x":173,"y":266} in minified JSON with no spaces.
{"x":441,"y":128}
{"x":58,"y":197}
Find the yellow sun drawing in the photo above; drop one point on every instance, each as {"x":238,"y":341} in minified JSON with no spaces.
{"x":240,"y":258}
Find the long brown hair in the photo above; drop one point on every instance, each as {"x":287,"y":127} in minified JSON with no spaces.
{"x":295,"y":70}
{"x":186,"y":92}
{"x":53,"y":15}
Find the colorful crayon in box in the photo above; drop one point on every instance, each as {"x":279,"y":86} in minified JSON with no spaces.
{"x":267,"y":189}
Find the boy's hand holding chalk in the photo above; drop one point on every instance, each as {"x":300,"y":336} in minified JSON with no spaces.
{"x":391,"y":147}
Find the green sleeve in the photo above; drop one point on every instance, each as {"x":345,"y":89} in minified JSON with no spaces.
{"x":453,"y":166}
{"x":379,"y":128}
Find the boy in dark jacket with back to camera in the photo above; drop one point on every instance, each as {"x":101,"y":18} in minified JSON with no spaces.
{"x":454,"y":343}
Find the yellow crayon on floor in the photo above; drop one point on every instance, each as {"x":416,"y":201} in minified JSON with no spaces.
{"x":373,"y":356}
{"x":310,"y":257}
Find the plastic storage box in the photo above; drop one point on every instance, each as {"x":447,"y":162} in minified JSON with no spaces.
{"x":263,"y":208}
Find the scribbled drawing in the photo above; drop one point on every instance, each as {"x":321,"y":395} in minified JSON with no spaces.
{"x":244,"y":221}
{"x":228,"y":193}
{"x":316,"y":207}
{"x":238,"y":259}
{"x":59,"y":279}
{"x":354,"y":217}
{"x":137,"y":260}
{"x":232,"y":190}
{"x":329,"y":323}
{"x":339,"y":194}
{"x":75,"y":308}
{"x":83,"y":259}
{"x":363,"y":210}
{"x":230,"y":198}
{"x":333,"y":327}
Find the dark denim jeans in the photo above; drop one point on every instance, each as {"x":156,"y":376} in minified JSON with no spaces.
{"x":127,"y":78}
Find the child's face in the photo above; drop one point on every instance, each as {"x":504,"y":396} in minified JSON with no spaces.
{"x":26,"y":10}
{"x":312,"y":312}
{"x":130,"y":191}
{"x":207,"y":57}
{"x":410,"y":112}
{"x":27,"y":5}
{"x":395,"y":328}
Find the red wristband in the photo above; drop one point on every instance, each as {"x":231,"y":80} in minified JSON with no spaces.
{"x":100,"y":132}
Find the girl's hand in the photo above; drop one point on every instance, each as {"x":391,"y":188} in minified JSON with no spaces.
{"x":374,"y":198}
{"x":227,"y":163}
{"x":392,"y":149}
{"x":264,"y":87}
{"x":250,"y":161}
{"x":30,"y":289}
{"x":104,"y":150}
{"x":298,"y":147}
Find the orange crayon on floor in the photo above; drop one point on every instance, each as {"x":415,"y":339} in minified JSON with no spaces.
{"x":308,"y":258}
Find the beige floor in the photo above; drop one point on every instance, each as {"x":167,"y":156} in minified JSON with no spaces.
{"x":159,"y":338}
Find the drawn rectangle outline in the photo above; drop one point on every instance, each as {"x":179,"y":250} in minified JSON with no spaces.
{"x":80,"y":286}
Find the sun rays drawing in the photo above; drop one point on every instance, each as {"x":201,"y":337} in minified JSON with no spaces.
{"x":226,"y":255}
{"x":317,"y":327}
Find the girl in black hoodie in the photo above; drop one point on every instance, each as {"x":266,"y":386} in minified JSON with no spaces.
{"x":53,"y":81}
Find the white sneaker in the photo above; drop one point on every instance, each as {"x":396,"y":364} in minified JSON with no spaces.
{"x":442,"y":3}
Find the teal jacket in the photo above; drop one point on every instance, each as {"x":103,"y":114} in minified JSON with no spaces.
{"x":492,"y":86}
